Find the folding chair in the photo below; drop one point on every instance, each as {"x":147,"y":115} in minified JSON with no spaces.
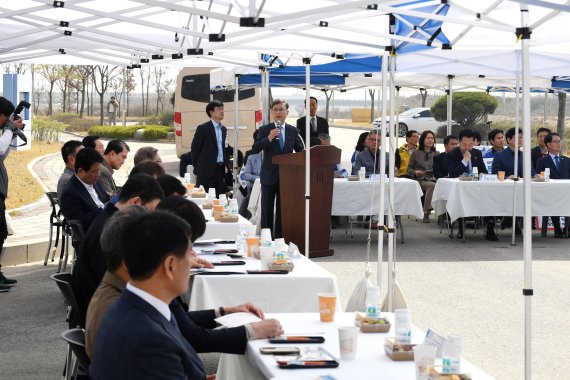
{"x":77,"y":237}
{"x":75,"y":339}
{"x":55,"y":220}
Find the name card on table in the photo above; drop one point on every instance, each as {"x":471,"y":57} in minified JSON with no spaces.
{"x":488,"y":178}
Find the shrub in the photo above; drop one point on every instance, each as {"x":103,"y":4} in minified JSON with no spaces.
{"x":74,"y":123}
{"x":166,"y":118}
{"x":114,"y":132}
{"x":46,"y":130}
{"x":155,"y":132}
{"x":469,"y":108}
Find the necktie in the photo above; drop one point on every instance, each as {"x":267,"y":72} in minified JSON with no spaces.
{"x":281,"y":137}
{"x":173,"y":322}
{"x":557,"y":162}
{"x":313,"y":125}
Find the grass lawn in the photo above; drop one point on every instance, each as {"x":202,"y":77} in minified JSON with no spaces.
{"x":23,"y":188}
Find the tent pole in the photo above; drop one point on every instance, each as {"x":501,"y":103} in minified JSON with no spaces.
{"x":236,"y":118}
{"x":332,"y":118}
{"x":391,"y":230}
{"x":449,"y":102}
{"x":307,"y":62}
{"x":544,"y":116}
{"x":516,"y":168}
{"x":524,"y":34}
{"x":382,"y":200}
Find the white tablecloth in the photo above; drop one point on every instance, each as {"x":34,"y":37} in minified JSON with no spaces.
{"x":283,"y":293}
{"x":371,"y":362}
{"x":219,"y":230}
{"x":479,"y":198}
{"x":354,"y":197}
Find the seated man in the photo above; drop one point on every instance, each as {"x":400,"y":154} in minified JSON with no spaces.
{"x":149,"y":332}
{"x":540,"y":150}
{"x":497,"y":141}
{"x":406,"y":150}
{"x":68,"y":152}
{"x":440,"y":162}
{"x":505,"y":159}
{"x":147,"y":153}
{"x":83,"y":198}
{"x":559,"y":166}
{"x":93,"y":142}
{"x":114,"y":157}
{"x":140,"y":189}
{"x":369,"y":158}
{"x":462,"y":160}
{"x":171,"y":185}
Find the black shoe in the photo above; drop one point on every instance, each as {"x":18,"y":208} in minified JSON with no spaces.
{"x":4,"y":288}
{"x":491,"y":235}
{"x":460,"y":235}
{"x":6,"y":281}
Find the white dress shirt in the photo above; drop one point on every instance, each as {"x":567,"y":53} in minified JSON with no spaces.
{"x":159,"y":305}
{"x":91,"y":190}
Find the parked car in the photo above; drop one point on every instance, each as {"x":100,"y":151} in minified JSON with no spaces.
{"x":418,"y":119}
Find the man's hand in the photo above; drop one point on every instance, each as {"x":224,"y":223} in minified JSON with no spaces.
{"x":198,"y":262}
{"x":467,"y":156}
{"x":267,"y":328}
{"x":15,"y":124}
{"x":245,"y":308}
{"x":273,"y":133}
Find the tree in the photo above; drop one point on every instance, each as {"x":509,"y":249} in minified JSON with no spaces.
{"x":328,"y":95}
{"x":51,"y":74}
{"x":102,"y":75}
{"x":79,"y":83}
{"x":423,"y":93}
{"x":66,"y":73}
{"x":561,"y":114}
{"x":469,"y":108}
{"x":372,"y":93}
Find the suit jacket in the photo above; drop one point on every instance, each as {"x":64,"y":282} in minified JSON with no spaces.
{"x":77,"y":204}
{"x":547,"y":162}
{"x":141,"y":344}
{"x":366,"y":159}
{"x":204,"y":150}
{"x":456,"y":167}
{"x":91,"y":263}
{"x":106,"y":179}
{"x":441,"y":165}
{"x":269,"y":174}
{"x":322,"y":127}
{"x":535,"y":155}
{"x":505,"y":161}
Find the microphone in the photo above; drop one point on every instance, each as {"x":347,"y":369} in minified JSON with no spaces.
{"x":277,"y":125}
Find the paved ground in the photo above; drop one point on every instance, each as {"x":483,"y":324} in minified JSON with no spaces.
{"x":473,"y":289}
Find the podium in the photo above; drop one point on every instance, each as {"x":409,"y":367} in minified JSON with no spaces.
{"x":292,"y":193}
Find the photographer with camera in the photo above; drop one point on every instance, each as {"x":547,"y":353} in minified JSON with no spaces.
{"x":12,"y":125}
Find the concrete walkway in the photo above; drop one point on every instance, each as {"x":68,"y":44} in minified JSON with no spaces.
{"x":31,"y":227}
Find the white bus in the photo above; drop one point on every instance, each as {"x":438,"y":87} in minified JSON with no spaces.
{"x":190,"y":100}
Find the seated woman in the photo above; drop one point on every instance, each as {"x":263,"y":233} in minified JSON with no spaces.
{"x":359,"y":146}
{"x":420,"y":168}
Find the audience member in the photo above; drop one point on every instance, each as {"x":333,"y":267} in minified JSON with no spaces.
{"x":83,"y":197}
{"x":94,"y":142}
{"x":497,"y":141}
{"x":420,"y":168}
{"x":369,"y":158}
{"x":274,"y":139}
{"x":559,"y":166}
{"x":141,"y":190}
{"x":317,"y":124}
{"x":147,"y":153}
{"x":540,"y":150}
{"x":505,"y":159}
{"x":476,"y":138}
{"x":229,"y":166}
{"x":360,"y":145}
{"x":151,"y":168}
{"x":405,"y":152}
{"x":171,"y":185}
{"x":114,"y":157}
{"x":185,"y":160}
{"x":68,"y":152}
{"x":441,"y":161}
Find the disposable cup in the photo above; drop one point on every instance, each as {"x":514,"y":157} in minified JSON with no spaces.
{"x":327,"y":305}
{"x":190,"y":187}
{"x":217,"y":211}
{"x":424,"y":359}
{"x":223,"y":199}
{"x":348,"y":342}
{"x":501,"y":175}
{"x":252,"y":246}
{"x":266,"y":257}
{"x":250,"y":229}
{"x":216,"y":202}
{"x":266,"y":237}
{"x":211,"y":193}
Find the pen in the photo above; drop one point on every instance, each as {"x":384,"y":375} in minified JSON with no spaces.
{"x":307,"y":363}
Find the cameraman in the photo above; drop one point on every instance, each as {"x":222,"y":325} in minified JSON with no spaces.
{"x":9,"y":126}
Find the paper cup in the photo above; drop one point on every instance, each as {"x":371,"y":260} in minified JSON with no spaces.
{"x":250,"y":229}
{"x":424,"y":359}
{"x":501,"y":175}
{"x":348,"y":342}
{"x":190,"y":187}
{"x":327,"y":305}
{"x":223,"y":199}
{"x":217,"y":212}
{"x":216,"y":202}
{"x":266,"y":257}
{"x":212,"y":193}
{"x":266,"y":240}
{"x":252,"y":246}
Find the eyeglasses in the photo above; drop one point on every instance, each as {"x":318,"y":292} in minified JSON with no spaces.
{"x":556,"y":141}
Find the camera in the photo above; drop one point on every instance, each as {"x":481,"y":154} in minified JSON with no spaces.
{"x":16,"y":116}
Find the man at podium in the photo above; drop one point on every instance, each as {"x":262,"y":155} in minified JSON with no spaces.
{"x":274,"y":139}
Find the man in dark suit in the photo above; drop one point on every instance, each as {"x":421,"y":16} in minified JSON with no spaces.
{"x":559,"y":166}
{"x":462,"y":160}
{"x":504,"y":160}
{"x":145,"y":342}
{"x":440,"y":162}
{"x":317,"y":124}
{"x":83,"y":198}
{"x":207,"y":150}
{"x":274,"y":139}
{"x":540,"y":150}
{"x":140,"y":189}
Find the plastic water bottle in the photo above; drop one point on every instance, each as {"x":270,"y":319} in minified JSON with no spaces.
{"x":403,"y":325}
{"x":233,"y":207}
{"x":452,"y":354}
{"x":373,"y":306}
{"x":280,"y":249}
{"x":475,"y":174}
{"x":240,"y":239}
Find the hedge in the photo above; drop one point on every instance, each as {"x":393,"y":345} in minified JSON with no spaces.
{"x":151,"y":132}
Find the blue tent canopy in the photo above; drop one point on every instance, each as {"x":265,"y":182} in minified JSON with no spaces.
{"x":292,"y":80}
{"x":350,"y":64}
